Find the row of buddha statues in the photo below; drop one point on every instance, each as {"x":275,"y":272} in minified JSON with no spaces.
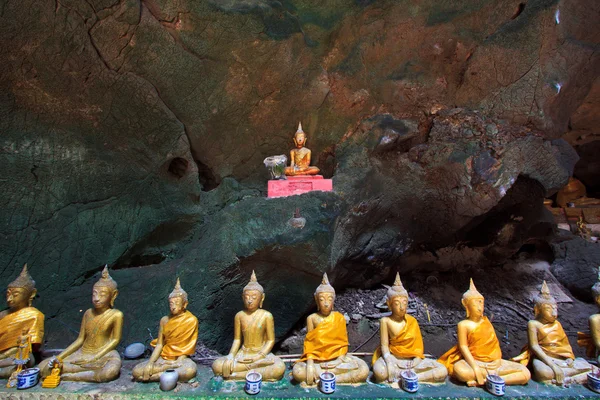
{"x":93,"y":357}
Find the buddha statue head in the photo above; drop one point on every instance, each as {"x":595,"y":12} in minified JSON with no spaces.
{"x":545,"y":305}
{"x":21,"y":291}
{"x":105,"y":291}
{"x":596,"y":289}
{"x":253,"y":294}
{"x":300,"y":137}
{"x":472,"y":301}
{"x":397,"y":298}
{"x":178,"y":299}
{"x":325,"y":296}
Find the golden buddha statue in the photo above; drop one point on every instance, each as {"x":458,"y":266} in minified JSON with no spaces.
{"x":548,"y":349}
{"x":300,"y":156}
{"x":19,"y":317}
{"x":402,"y":344}
{"x":92,"y":356}
{"x":478,"y":350}
{"x":591,"y":341}
{"x":253,"y":340}
{"x":575,"y":192}
{"x":326,"y":344}
{"x":176,"y":341}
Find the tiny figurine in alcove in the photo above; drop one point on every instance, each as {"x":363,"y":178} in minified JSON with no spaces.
{"x":176,"y":341}
{"x":326,"y":344}
{"x":591,"y":341}
{"x":300,"y":156}
{"x":401,"y":345}
{"x":20,"y":316}
{"x":478,"y":353}
{"x":93,"y":357}
{"x":253,"y":340}
{"x":548,"y":350}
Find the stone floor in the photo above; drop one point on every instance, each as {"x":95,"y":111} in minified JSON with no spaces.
{"x":206,"y":386}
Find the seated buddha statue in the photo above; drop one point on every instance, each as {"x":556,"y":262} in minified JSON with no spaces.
{"x":20,"y":317}
{"x":176,"y":341}
{"x":576,"y":193}
{"x":402,"y":344}
{"x":253,"y":340}
{"x":326,"y":344}
{"x":478,"y":350}
{"x":93,"y":357}
{"x":300,"y":156}
{"x":548,"y":350}
{"x":591,"y":341}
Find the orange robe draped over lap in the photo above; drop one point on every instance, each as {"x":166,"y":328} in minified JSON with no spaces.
{"x":26,"y":318}
{"x":483,"y":345}
{"x":180,"y":336}
{"x":329,"y":340}
{"x":554,"y":342}
{"x":407,"y":344}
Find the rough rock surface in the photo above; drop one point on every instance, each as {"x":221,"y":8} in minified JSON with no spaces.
{"x":133,"y":134}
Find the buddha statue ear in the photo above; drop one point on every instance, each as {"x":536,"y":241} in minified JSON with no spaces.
{"x":113,"y":298}
{"x":464,"y":304}
{"x":32,"y":296}
{"x":262,"y":300}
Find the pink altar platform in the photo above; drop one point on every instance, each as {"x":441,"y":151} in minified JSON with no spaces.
{"x":298,"y":184}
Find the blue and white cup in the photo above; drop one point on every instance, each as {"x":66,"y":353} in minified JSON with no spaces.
{"x":28,"y":378}
{"x":495,"y":385}
{"x":409,"y":381}
{"x":327,"y":382}
{"x":253,"y":382}
{"x":593,"y":382}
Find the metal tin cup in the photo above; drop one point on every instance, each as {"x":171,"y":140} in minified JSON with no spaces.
{"x":593,"y":382}
{"x":28,"y":378}
{"x":327,"y":382}
{"x":253,"y":383}
{"x":409,"y":381}
{"x":495,"y":385}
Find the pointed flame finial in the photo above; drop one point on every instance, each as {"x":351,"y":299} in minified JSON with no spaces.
{"x":299,"y":127}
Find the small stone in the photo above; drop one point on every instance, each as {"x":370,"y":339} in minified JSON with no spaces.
{"x":347,"y":318}
{"x":356,"y":317}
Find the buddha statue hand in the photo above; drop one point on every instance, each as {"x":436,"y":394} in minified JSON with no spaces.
{"x":228,"y":366}
{"x":84,"y":361}
{"x":311,"y":373}
{"x":479,"y":377}
{"x":559,"y":375}
{"x":390,"y":362}
{"x":148,"y":370}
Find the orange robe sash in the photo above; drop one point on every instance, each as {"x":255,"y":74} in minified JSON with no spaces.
{"x":180,"y":335}
{"x":554,"y":342}
{"x":483,"y":345}
{"x":407,"y":344}
{"x":586,"y":340}
{"x":12,"y":326}
{"x":328,"y":341}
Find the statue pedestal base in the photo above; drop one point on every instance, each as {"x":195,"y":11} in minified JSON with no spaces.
{"x":298,"y":184}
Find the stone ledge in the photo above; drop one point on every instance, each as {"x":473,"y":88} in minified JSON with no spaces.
{"x":207,"y":387}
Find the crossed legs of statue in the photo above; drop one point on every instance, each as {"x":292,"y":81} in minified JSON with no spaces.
{"x":576,"y":370}
{"x":428,"y":371}
{"x":104,"y":370}
{"x":185,"y":367}
{"x":347,"y":369}
{"x":512,"y":372}
{"x":272,"y":368}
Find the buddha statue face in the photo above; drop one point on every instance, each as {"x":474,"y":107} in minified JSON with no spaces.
{"x":103,"y":297}
{"x":253,"y":299}
{"x":18,"y":298}
{"x":300,"y":139}
{"x":597,"y":300}
{"x":398,"y":306}
{"x":474,"y":307}
{"x":177,"y":305}
{"x":325,"y":302}
{"x":546,"y":311}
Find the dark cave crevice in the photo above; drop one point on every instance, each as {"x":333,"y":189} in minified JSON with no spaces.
{"x":207,"y":178}
{"x":519,"y":10}
{"x":178,"y":167}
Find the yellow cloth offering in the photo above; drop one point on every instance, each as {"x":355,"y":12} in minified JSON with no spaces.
{"x":483,"y":345}
{"x":407,"y":344}
{"x":586,"y":340}
{"x":553,"y":341}
{"x":13,"y":324}
{"x":180,"y":336}
{"x":328,"y":341}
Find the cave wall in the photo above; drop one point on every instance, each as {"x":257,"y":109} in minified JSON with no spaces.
{"x":133,"y":134}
